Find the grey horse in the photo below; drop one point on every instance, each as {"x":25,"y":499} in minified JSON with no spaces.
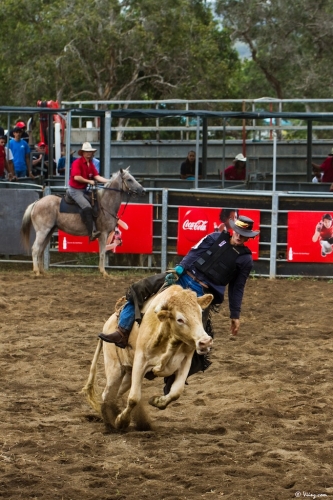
{"x":45,"y":216}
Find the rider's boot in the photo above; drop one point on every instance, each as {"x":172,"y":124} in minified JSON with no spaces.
{"x":119,"y":337}
{"x":87,"y":217}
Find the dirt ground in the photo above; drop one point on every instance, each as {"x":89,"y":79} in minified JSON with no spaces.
{"x":256,"y":424}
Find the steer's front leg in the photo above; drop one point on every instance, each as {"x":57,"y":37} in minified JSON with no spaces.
{"x":177,"y":387}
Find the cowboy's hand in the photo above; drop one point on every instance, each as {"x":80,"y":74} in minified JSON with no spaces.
{"x":235,"y":324}
{"x":179,"y":270}
{"x":171,"y":279}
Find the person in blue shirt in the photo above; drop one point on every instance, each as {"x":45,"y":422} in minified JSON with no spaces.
{"x":62,"y":163}
{"x":21,"y":154}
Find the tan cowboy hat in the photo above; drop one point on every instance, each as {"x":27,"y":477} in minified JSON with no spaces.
{"x":239,"y":157}
{"x":86,"y":146}
{"x":243,"y":226}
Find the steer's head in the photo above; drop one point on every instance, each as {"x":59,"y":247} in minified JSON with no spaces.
{"x":181,"y":311}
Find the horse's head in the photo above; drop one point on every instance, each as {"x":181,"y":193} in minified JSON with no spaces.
{"x":129,"y":184}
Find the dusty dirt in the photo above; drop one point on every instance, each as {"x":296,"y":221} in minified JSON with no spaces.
{"x":256,"y":424}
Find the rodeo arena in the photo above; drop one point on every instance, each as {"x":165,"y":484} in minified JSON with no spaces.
{"x":206,"y":394}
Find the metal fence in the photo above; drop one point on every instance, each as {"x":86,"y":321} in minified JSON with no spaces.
{"x":184,"y":128}
{"x":273,"y":207}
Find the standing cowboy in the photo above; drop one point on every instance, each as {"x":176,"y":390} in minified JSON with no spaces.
{"x":83,"y":173}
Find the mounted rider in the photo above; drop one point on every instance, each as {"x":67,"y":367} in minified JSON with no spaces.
{"x":83,"y":172}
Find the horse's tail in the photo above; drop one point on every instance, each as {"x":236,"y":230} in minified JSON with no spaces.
{"x":89,"y":389}
{"x":26,"y":226}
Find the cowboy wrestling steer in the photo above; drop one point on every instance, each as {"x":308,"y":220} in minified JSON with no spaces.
{"x":170,"y":332}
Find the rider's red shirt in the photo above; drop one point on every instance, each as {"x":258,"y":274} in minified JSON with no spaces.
{"x":81,"y":167}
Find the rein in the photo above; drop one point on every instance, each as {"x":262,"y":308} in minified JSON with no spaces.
{"x":121,"y":190}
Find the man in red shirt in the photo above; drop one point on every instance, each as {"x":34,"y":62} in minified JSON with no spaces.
{"x":237,"y":171}
{"x":5,"y":165}
{"x":326,"y":168}
{"x":83,"y":173}
{"x":324,"y":233}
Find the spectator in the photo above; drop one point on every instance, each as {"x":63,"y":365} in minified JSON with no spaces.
{"x":40,"y":161}
{"x":326,"y":168}
{"x":62,"y":162}
{"x":6,"y":164}
{"x":97,"y":164}
{"x":23,"y":127}
{"x":237,"y":171}
{"x":318,"y":177}
{"x":187,"y":168}
{"x":21,"y":154}
{"x":2,"y":132}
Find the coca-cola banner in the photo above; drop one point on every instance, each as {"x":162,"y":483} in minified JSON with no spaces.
{"x":138,"y":238}
{"x":196,"y":222}
{"x":310,"y":237}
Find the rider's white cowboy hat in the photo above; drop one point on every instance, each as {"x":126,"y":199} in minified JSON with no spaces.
{"x":86,"y":146}
{"x":243,"y":225}
{"x":239,"y":157}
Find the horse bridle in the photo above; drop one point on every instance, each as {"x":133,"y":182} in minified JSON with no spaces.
{"x":129,"y":192}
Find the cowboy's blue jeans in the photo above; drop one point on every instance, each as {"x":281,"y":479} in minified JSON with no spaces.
{"x":127,"y":315}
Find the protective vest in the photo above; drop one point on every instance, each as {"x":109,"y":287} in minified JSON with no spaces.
{"x":218,"y":263}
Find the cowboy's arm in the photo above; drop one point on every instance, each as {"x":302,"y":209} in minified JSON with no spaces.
{"x":236,"y":290}
{"x":79,"y":178}
{"x":99,"y":178}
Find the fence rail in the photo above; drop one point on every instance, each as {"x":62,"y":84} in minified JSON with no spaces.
{"x":273,"y":207}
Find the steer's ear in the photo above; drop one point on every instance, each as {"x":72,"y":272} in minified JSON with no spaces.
{"x":163,"y":315}
{"x":205,"y":300}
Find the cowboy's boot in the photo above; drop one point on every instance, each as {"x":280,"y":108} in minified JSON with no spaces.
{"x":87,"y":218}
{"x":119,"y":337}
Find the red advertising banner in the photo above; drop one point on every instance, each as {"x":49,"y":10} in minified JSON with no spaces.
{"x":310,"y":237}
{"x":138,"y":238}
{"x":196,"y":222}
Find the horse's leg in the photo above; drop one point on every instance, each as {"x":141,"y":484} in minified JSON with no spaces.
{"x":37,"y":253}
{"x":102,"y":243}
{"x":42,"y":238}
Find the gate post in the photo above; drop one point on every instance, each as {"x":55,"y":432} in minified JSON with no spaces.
{"x":164,"y":233}
{"x":47,"y":191}
{"x":274,"y":223}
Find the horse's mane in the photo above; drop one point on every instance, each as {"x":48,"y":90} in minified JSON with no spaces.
{"x":110,"y":183}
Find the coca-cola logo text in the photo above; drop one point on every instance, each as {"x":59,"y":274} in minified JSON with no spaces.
{"x":199,"y":225}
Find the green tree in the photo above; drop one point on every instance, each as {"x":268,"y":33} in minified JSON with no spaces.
{"x":289,"y":43}
{"x":110,"y":49}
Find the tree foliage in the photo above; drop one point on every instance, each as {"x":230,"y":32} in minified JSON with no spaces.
{"x":290,"y":44}
{"x":113,"y":49}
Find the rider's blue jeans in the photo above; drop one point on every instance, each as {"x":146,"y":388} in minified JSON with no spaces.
{"x":127,"y":315}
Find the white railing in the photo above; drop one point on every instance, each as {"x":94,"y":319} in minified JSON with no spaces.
{"x":189,"y":126}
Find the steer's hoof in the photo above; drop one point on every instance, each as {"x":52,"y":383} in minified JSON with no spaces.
{"x":121,"y":423}
{"x":159,"y":402}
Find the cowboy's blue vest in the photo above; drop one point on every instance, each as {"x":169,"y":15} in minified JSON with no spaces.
{"x":218,"y":263}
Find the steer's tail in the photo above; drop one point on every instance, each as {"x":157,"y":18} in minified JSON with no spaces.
{"x":26,"y":226}
{"x":89,"y":389}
